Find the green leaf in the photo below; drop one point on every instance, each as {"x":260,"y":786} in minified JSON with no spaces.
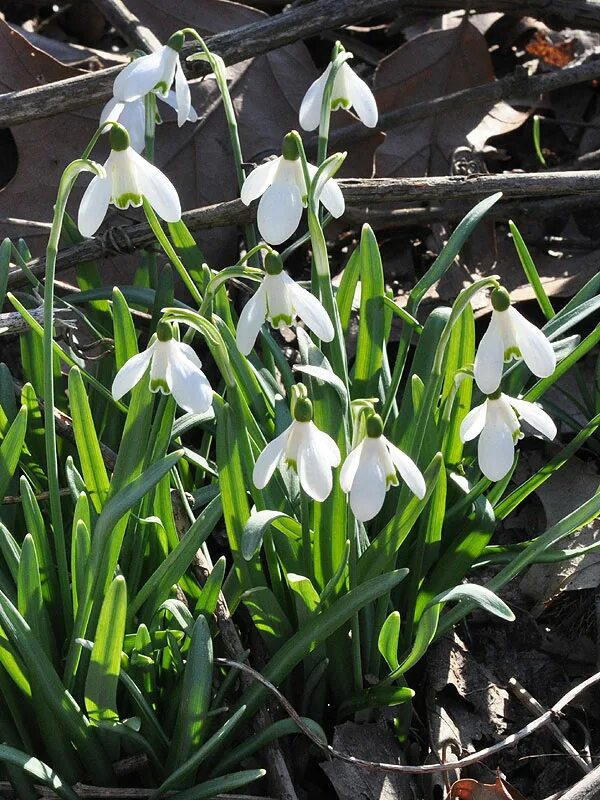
{"x":215,"y":786}
{"x":195,"y":699}
{"x":326,"y":375}
{"x":10,"y":450}
{"x":255,"y":529}
{"x":481,"y":596}
{"x":389,"y":635}
{"x":86,"y":440}
{"x":36,"y":769}
{"x":344,"y":297}
{"x":530,"y":271}
{"x":209,"y":597}
{"x":124,"y":330}
{"x":268,"y":616}
{"x":30,"y":598}
{"x":81,"y":545}
{"x":371,"y":329}
{"x":36,"y":526}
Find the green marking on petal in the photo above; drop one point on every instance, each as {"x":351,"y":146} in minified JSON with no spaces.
{"x":340,"y":102}
{"x":159,"y":385}
{"x":280,"y":321}
{"x":391,"y":480}
{"x":128,"y":199}
{"x":291,"y":463}
{"x":512,"y":352}
{"x":161,"y":88}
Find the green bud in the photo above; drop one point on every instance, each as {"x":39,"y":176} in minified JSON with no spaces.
{"x":273,"y":263}
{"x":303,"y":410}
{"x":289,"y":148}
{"x":500,"y":299}
{"x":164,"y":331}
{"x":119,"y":138}
{"x":176,"y":41}
{"x":337,"y":48}
{"x":374,"y":426}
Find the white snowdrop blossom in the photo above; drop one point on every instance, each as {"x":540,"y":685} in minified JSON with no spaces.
{"x":370,"y":469}
{"x":156,"y":73}
{"x":310,"y":452}
{"x":283,"y":193}
{"x":497,"y":423}
{"x":349,"y":91}
{"x":128,"y":179}
{"x":174,"y":369}
{"x":510,"y":335}
{"x":280,"y":300}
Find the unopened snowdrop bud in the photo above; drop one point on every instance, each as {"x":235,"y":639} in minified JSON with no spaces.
{"x":349,"y":91}
{"x":283,"y":193}
{"x":174,"y":369}
{"x":129,"y":178}
{"x":497,"y":423}
{"x":156,"y":73}
{"x":310,"y":452}
{"x":508,"y":336}
{"x":279,"y":299}
{"x":370,"y":469}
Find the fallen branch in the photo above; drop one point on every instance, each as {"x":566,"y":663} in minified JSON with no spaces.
{"x":361,"y":194}
{"x":587,"y":788}
{"x":128,"y":25}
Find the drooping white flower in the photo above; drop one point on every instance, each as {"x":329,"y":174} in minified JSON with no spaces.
{"x":156,"y":73}
{"x":131,"y":114}
{"x":310,"y":452}
{"x":129,"y":178}
{"x":174,"y":369}
{"x":370,"y":469}
{"x":497,"y":423}
{"x":349,"y":91}
{"x":510,"y":335}
{"x":283,"y":193}
{"x":280,"y":300}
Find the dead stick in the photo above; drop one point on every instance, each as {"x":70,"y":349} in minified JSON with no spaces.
{"x":587,"y":788}
{"x":128,"y":25}
{"x":577,"y":13}
{"x":234,"y":46}
{"x":361,"y":193}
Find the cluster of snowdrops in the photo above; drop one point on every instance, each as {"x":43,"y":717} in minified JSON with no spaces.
{"x":282,"y":184}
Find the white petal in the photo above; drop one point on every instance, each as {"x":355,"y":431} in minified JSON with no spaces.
{"x":360,"y":96}
{"x":496,"y":449}
{"x":189,"y":385}
{"x":409,"y":472}
{"x":279,"y":212}
{"x":168,"y":66}
{"x":349,"y":468}
{"x":473,"y":423}
{"x":332,"y":198}
{"x":327,"y":447}
{"x":251,"y":319}
{"x":310,"y":109}
{"x":309,"y":309}
{"x":139,"y":77}
{"x":267,"y":462}
{"x":534,"y":345}
{"x":133,"y":118}
{"x":368,"y":488}
{"x":111,"y":112}
{"x":171,"y":100}
{"x":258,"y":181}
{"x":94,"y":205}
{"x":314,"y":471}
{"x":535,"y":416}
{"x":158,"y":189}
{"x":183,"y":95}
{"x":190,"y":353}
{"x":131,"y":373}
{"x":489,"y":359}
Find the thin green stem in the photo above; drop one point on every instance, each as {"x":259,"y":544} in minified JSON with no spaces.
{"x":306,"y":539}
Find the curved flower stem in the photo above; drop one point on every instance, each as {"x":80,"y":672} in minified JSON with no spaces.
{"x":170,"y":251}
{"x":219,"y":69}
{"x":149,"y":135}
{"x":64,"y":189}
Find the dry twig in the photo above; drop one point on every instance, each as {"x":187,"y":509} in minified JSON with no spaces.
{"x":128,"y":25}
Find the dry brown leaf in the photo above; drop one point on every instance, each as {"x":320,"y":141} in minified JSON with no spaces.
{"x":502,"y":118}
{"x":469,"y":789}
{"x":431,"y":65}
{"x":266,"y":91}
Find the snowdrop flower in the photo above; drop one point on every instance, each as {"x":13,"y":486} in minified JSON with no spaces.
{"x":128,"y":179}
{"x":156,"y":73}
{"x":283,"y":193}
{"x":280,"y":300}
{"x":370,"y":469}
{"x":311,"y":453}
{"x":348,"y":91}
{"x":174,"y":369}
{"x":510,"y":335}
{"x":497,"y":423}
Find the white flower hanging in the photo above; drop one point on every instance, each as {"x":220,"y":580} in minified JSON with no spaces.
{"x":129,"y":178}
{"x":510,"y":335}
{"x":174,"y":369}
{"x":156,"y":73}
{"x":283,"y":193}
{"x":279,"y":299}
{"x":497,"y":423}
{"x":349,"y":91}
{"x":310,"y":452}
{"x":370,"y":469}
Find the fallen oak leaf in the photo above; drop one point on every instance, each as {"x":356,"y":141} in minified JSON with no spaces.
{"x":470,"y":789}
